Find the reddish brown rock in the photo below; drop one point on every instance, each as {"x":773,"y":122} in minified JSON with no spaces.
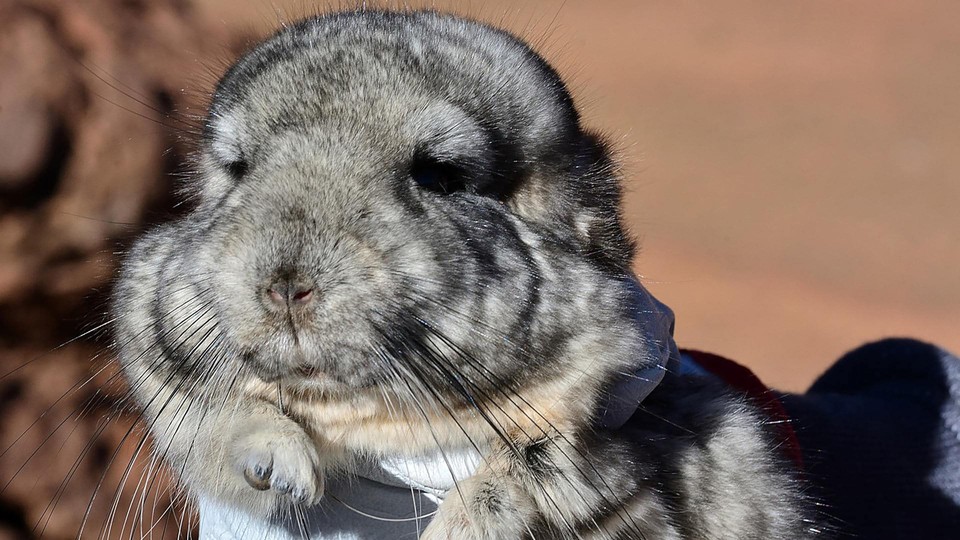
{"x":92,"y":127}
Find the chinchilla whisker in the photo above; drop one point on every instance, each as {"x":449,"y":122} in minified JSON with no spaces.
{"x":73,"y":389}
{"x":120,"y":445}
{"x":82,"y":335}
{"x":143,"y":440}
{"x":154,"y":369}
{"x":154,"y":520}
{"x":141,"y":443}
{"x":500,"y":387}
{"x":497,"y":427}
{"x":51,"y":506}
{"x":411,"y":395}
{"x":178,"y":124}
{"x":498,"y":334}
{"x":170,"y":376}
{"x":136,"y":513}
{"x":32,"y":455}
{"x":136,"y":509}
{"x":169,"y":512}
{"x":393,"y":358}
{"x":172,"y":494}
{"x":460,"y":384}
{"x":485,"y":399}
{"x":193,"y":281}
{"x":415,"y":346}
{"x":395,"y":353}
{"x":46,"y":439}
{"x":89,"y":405}
{"x":137,"y":454}
{"x":474,"y":321}
{"x":477,"y":322}
{"x":187,"y":322}
{"x":437,"y":355}
{"x":301,"y":519}
{"x":217,"y":364}
{"x":89,"y":66}
{"x":419,"y":407}
{"x":451,"y":377}
{"x":645,"y":410}
{"x":159,"y":121}
{"x":416,"y":517}
{"x":151,"y":474}
{"x":226,"y":398}
{"x":86,"y":406}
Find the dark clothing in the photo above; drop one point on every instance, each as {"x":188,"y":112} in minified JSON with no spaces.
{"x":880,"y":434}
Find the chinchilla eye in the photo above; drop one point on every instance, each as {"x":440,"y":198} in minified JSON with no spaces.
{"x":237,"y":169}
{"x":436,"y":176}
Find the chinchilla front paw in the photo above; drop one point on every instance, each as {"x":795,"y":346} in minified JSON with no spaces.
{"x":284,"y":461}
{"x":482,"y":508}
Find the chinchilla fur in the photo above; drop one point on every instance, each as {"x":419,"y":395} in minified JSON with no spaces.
{"x":403,"y":239}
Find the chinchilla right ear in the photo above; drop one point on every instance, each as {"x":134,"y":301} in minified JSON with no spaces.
{"x":580,"y":200}
{"x":599,"y":196}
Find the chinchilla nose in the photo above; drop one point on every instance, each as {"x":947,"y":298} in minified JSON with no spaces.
{"x":289,"y":293}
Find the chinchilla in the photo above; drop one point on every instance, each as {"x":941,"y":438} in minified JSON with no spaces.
{"x":404,"y":242}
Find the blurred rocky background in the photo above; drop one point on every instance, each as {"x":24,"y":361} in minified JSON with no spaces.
{"x":97,"y":100}
{"x":792,"y":173}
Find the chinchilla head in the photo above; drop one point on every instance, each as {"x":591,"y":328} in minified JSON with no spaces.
{"x":385,"y":198}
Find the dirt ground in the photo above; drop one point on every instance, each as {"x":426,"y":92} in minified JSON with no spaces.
{"x":792,"y":167}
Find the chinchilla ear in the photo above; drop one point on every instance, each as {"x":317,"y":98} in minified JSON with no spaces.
{"x":597,"y":194}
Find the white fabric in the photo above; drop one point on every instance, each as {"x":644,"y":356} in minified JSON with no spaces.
{"x":393,"y":498}
{"x":434,"y":474}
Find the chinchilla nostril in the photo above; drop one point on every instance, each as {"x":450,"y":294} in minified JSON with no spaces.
{"x":285,"y":293}
{"x":302,"y":296}
{"x":276,"y":296}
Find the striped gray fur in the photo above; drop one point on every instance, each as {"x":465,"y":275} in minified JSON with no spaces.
{"x":402,"y":238}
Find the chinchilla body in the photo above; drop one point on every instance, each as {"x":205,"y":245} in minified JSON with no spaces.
{"x":403,"y":240}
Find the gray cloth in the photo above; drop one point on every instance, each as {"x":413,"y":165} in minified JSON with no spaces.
{"x":655,"y":321}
